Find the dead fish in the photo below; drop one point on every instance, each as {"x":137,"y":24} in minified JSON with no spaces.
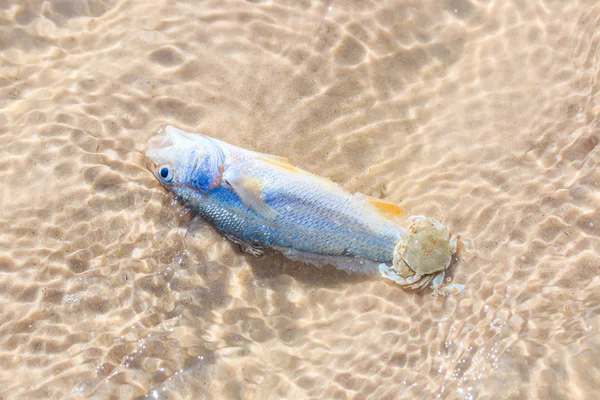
{"x":263,"y":201}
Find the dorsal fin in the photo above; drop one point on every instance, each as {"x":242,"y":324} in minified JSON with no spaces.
{"x":280,"y":162}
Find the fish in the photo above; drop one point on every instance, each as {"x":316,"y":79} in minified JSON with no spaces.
{"x":262,"y":201}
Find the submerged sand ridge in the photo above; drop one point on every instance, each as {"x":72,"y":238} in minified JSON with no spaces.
{"x":483,"y":114}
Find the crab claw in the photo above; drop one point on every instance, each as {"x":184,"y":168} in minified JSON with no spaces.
{"x":415,"y":282}
{"x":420,"y":281}
{"x":389,"y":273}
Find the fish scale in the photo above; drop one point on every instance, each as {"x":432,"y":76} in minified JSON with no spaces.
{"x":303,"y":228}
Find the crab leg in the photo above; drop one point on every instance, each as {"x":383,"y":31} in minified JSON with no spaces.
{"x":450,"y":289}
{"x":388,"y":272}
{"x":422,"y":283}
{"x":438,"y":286}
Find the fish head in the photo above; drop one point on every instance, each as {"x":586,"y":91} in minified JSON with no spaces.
{"x":182,"y":161}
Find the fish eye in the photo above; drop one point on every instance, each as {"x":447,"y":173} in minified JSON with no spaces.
{"x":165,"y":173}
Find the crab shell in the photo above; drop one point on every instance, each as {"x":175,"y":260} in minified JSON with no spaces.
{"x":422,"y":256}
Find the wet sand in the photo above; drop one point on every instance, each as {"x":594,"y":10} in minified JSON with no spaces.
{"x":482,"y":113}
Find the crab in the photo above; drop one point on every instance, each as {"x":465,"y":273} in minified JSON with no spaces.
{"x":422,"y":256}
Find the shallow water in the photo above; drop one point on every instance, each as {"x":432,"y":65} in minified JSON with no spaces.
{"x":482,"y":113}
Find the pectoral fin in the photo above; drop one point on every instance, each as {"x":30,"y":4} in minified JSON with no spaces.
{"x":249,"y":190}
{"x":386,"y":207}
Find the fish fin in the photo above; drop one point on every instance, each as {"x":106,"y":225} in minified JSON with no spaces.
{"x":385,"y":207}
{"x":280,"y":162}
{"x":248,"y":189}
{"x":250,"y":248}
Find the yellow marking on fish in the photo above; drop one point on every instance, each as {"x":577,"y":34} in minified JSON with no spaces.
{"x":386,"y":207}
{"x":280,"y":162}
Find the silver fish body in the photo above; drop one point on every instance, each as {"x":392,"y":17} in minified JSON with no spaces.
{"x":264,"y":201}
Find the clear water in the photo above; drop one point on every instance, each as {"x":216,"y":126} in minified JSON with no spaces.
{"x":480,"y":113}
